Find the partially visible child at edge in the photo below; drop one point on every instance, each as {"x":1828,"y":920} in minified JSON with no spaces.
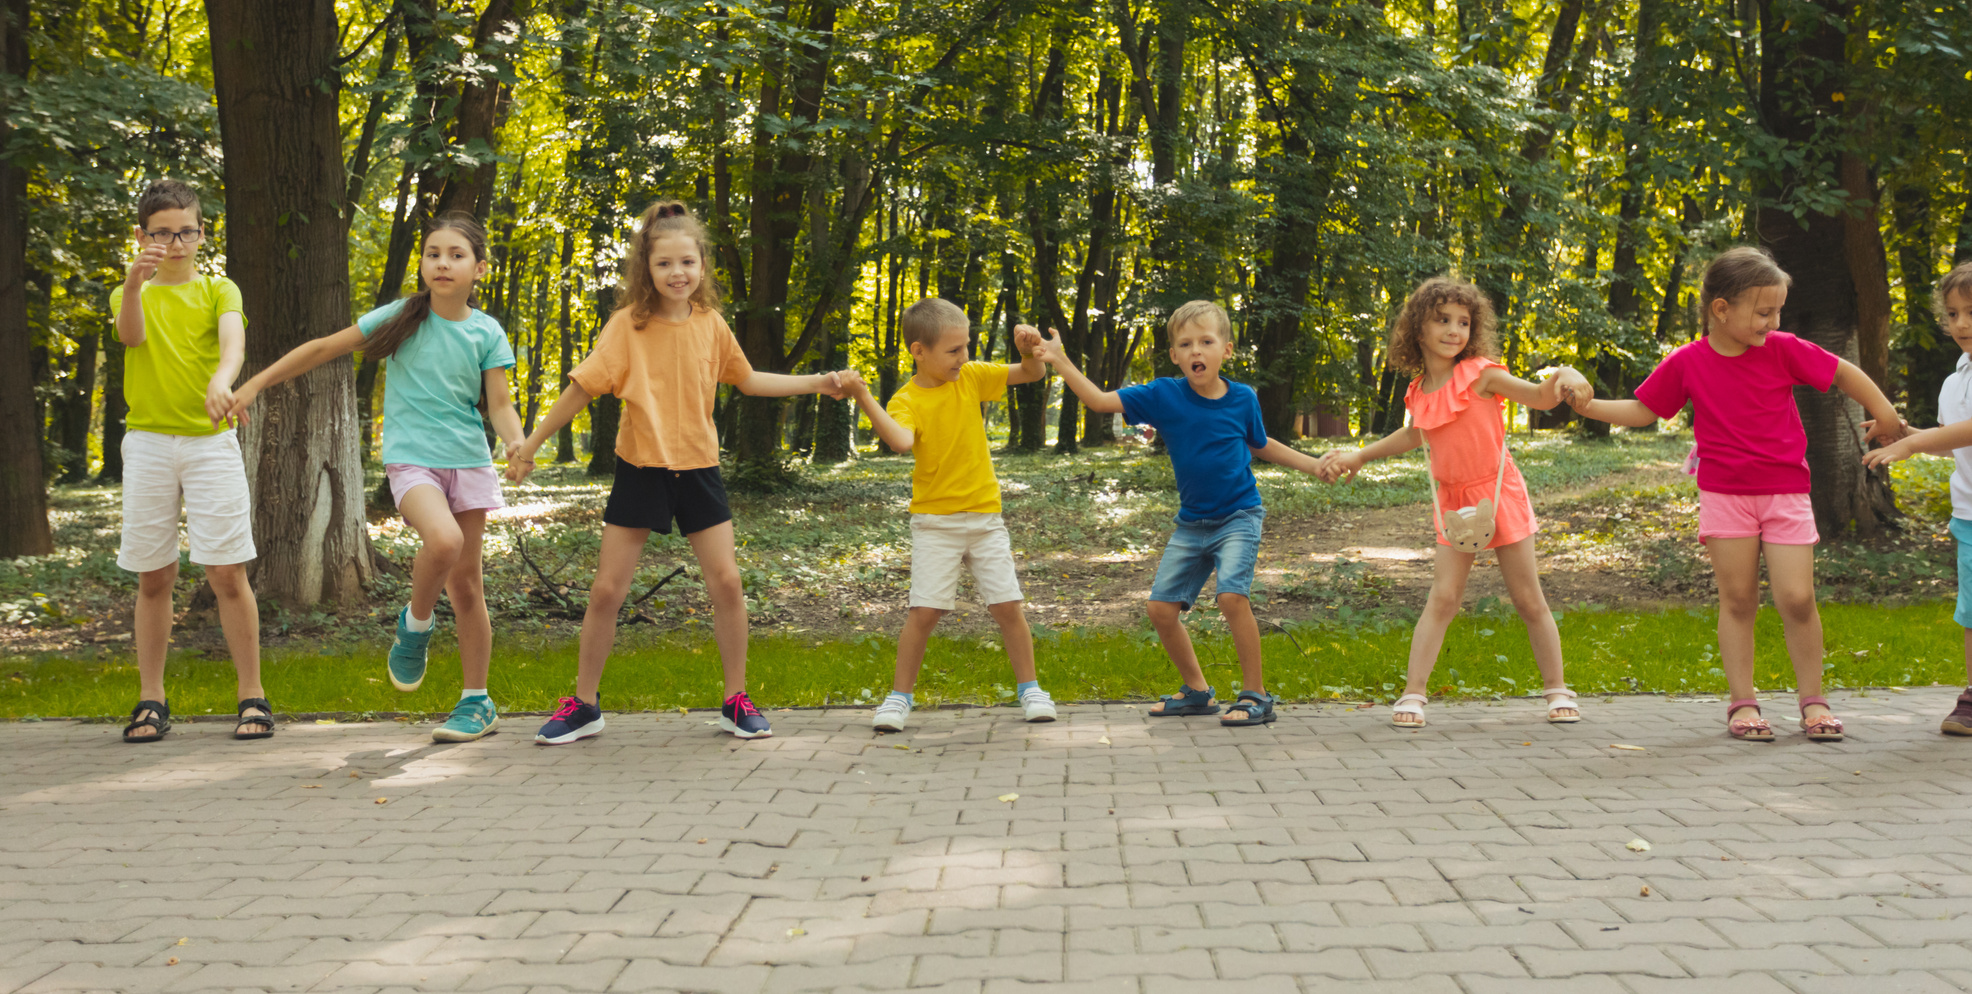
{"x":664,"y":353}
{"x":955,"y":498}
{"x":1752,"y":468}
{"x":1444,"y":336}
{"x":1212,"y":428}
{"x":442,"y":352}
{"x":186,"y":339}
{"x":1953,"y":303}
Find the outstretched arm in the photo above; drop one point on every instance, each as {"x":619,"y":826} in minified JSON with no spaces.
{"x":520,"y":457}
{"x":299,"y":360}
{"x":759,"y":384}
{"x":899,"y":438}
{"x":1940,"y":441}
{"x":1283,"y":454}
{"x":1629,"y":413}
{"x":1095,"y":398}
{"x":1565,"y":383}
{"x":1337,"y":466}
{"x":1030,"y":367}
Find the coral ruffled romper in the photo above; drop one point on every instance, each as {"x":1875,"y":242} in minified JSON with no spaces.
{"x":1466,"y":433}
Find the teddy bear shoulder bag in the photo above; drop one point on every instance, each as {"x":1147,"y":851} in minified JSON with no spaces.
{"x":1468,"y":529}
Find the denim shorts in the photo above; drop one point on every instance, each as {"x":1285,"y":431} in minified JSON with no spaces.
{"x":1229,"y":545}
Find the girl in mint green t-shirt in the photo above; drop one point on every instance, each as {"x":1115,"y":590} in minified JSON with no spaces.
{"x":442,"y":354}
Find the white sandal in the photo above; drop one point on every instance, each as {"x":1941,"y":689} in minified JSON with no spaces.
{"x":1409,"y":704}
{"x":1572,"y":705}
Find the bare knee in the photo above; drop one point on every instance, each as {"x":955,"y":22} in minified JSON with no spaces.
{"x":444,"y":546}
{"x":608,"y":593}
{"x":1795,"y":608}
{"x":1235,"y":605}
{"x":228,"y":582}
{"x":1443,"y":605}
{"x":1012,"y":615}
{"x":157,"y":582}
{"x":1164,"y":614}
{"x":723,"y":588}
{"x":1738,"y":606}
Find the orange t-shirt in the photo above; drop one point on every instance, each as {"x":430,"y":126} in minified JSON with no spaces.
{"x":666,"y":374}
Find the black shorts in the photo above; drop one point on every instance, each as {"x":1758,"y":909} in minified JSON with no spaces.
{"x":652,"y":496}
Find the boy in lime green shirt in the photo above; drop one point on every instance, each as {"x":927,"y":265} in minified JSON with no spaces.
{"x":185,"y":338}
{"x":955,"y":498}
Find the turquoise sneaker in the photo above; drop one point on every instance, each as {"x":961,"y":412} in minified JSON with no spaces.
{"x":407,"y":654}
{"x":472,"y":718}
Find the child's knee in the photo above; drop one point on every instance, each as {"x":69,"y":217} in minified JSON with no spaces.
{"x":723,"y":586}
{"x":1165,"y":612}
{"x":228,"y":582}
{"x":157,"y":582}
{"x":1235,"y":604}
{"x":1795,"y":607}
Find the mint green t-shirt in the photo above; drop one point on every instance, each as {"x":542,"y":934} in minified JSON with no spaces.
{"x":164,"y":379}
{"x":432,"y":385}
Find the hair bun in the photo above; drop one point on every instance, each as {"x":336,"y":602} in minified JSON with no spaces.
{"x":671,"y":210}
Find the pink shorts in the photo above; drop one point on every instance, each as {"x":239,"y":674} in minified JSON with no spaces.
{"x":476,"y":489}
{"x":1777,"y":519}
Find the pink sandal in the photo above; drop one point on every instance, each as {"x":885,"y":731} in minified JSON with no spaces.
{"x":1754,"y":729}
{"x":1826,"y":728}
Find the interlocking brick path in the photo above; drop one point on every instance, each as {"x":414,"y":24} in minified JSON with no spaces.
{"x":1327,"y":852}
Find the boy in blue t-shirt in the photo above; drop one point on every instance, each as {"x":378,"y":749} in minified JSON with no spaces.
{"x":1212,"y":429}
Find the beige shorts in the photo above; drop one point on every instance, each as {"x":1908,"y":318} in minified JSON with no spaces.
{"x":203,"y":474}
{"x":942,"y":543}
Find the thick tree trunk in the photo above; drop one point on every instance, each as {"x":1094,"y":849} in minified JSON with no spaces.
{"x":1804,"y":67}
{"x":115,"y":411}
{"x":23,"y":488}
{"x":284,"y":186}
{"x":1931,"y":355}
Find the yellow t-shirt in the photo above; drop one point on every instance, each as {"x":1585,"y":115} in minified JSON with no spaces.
{"x":164,"y":379}
{"x":954,"y":471}
{"x":667,"y":375}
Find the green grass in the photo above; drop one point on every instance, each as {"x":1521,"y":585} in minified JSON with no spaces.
{"x":1485,"y":655}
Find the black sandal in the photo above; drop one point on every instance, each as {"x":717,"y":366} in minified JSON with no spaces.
{"x":255,"y":719}
{"x":160,"y":719}
{"x":1186,"y":702}
{"x":1257,"y":708}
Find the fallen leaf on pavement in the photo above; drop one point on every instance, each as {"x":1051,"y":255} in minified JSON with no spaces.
{"x":1638,"y":845}
{"x":1009,"y":798}
{"x":1630,"y":748}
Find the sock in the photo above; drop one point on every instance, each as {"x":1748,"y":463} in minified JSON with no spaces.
{"x":415,"y":623}
{"x":1025,"y":686}
{"x":906,"y":695}
{"x":465,"y":694}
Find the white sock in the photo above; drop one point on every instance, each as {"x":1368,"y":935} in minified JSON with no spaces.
{"x":464,"y":694}
{"x":415,"y":623}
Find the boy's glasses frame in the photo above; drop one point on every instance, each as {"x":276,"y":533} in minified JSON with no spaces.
{"x":190,"y":236}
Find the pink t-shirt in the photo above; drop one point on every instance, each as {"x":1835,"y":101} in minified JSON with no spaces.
{"x":1748,"y":431}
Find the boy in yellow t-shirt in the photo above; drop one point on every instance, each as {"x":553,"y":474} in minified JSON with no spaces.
{"x":186,"y":339}
{"x":955,"y":498}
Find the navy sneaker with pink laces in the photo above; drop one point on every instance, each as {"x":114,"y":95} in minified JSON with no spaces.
{"x":575,"y":719}
{"x":740,"y":717}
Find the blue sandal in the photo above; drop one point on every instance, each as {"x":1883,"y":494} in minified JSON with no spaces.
{"x":1187,"y":702}
{"x":1257,"y":707}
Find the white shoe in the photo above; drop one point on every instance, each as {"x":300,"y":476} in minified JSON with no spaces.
{"x":892,"y":714}
{"x":1037,"y":705}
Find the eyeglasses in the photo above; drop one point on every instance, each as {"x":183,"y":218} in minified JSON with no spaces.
{"x":190,"y":236}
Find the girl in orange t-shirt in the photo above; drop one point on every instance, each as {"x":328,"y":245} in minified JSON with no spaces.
{"x":1445,"y":333}
{"x":664,"y":354}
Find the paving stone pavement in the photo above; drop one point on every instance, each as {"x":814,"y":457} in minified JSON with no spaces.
{"x":1325,"y":853}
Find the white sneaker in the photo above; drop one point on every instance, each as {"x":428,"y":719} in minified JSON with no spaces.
{"x":1037,"y":705}
{"x":891,"y":714}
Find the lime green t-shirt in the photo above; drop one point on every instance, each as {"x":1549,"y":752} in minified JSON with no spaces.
{"x":164,"y":379}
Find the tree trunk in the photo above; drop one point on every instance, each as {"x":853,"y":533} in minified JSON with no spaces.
{"x":78,"y":408}
{"x":1930,"y":356}
{"x":284,"y":188}
{"x":1804,"y":65}
{"x":115,"y":411}
{"x":23,"y":488}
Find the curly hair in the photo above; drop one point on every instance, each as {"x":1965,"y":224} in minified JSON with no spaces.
{"x":1406,"y":354}
{"x":660,"y":220}
{"x":1958,"y":281}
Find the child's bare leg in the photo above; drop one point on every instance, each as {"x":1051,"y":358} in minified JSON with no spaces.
{"x":616,"y":566}
{"x":911,"y":643}
{"x":1791,"y":576}
{"x":467,"y":588}
{"x":1012,"y":618}
{"x":151,"y":622}
{"x":428,"y":512}
{"x":1237,"y":609}
{"x":1736,"y":565}
{"x":239,"y":618}
{"x":718,"y":564}
{"x":1440,"y":607}
{"x":1168,"y":619}
{"x":1521,"y":572}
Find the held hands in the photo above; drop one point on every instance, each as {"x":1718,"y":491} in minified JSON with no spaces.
{"x":1886,"y":435}
{"x":520,"y":461}
{"x":843,"y":383}
{"x":1030,"y":341}
{"x":219,"y":402}
{"x":1336,"y":467}
{"x":237,"y":402}
{"x":1573,"y":387}
{"x":1893,"y":452}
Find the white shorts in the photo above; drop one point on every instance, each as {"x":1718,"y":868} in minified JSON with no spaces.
{"x":941,"y":543}
{"x":206,"y":474}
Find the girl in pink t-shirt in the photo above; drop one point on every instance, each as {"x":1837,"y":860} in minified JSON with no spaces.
{"x":1445,"y":334}
{"x":1752,"y":468}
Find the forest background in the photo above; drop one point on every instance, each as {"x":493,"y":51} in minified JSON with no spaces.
{"x":1082,"y":164}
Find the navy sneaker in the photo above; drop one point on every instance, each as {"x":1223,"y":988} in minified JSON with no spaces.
{"x":407,"y":654}
{"x":575,"y":720}
{"x":740,"y":717}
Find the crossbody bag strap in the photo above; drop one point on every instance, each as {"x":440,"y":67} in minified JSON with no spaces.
{"x":1499,"y":475}
{"x":1437,"y":512}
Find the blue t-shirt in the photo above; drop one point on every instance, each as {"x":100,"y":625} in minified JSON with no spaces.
{"x":1211,"y":442}
{"x":431,"y":389}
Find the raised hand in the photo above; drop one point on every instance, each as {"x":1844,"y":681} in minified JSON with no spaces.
{"x":144,"y":264}
{"x":1026,"y":338}
{"x":1046,"y":348}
